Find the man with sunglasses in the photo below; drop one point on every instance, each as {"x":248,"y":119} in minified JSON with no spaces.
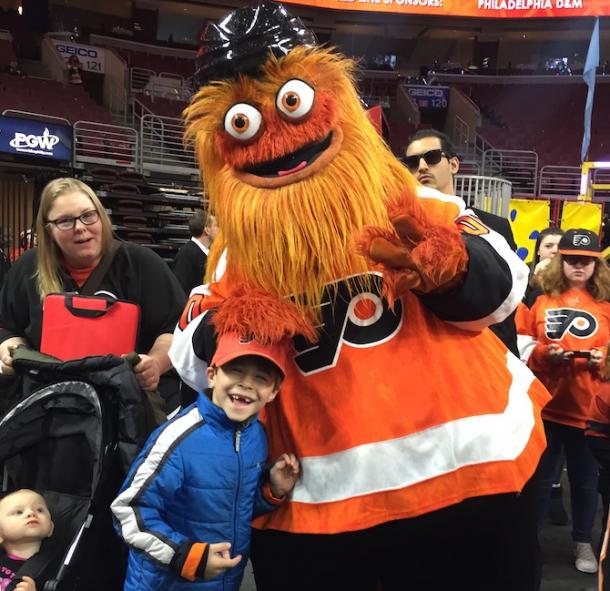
{"x":431,"y":159}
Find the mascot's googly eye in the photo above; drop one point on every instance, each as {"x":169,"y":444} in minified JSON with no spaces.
{"x":243,"y":121}
{"x":294,"y":99}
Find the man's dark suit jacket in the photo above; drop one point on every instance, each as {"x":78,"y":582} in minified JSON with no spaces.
{"x":505,"y":330}
{"x":189,"y":266}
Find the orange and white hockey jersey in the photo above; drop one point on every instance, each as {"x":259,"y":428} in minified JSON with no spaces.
{"x":397,"y":413}
{"x":574,"y":321}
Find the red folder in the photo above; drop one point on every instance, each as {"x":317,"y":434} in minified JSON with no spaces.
{"x":75,"y":326}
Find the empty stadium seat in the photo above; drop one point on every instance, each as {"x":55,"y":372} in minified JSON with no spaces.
{"x":49,"y":97}
{"x":546,"y":118}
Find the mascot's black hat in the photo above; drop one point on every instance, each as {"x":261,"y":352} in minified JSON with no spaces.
{"x":241,"y":41}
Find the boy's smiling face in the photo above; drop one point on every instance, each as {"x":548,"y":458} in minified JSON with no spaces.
{"x":243,"y":386}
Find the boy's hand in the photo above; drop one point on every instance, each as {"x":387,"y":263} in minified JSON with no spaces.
{"x":557,"y":354}
{"x":219,"y":560}
{"x":284,"y":475}
{"x":596,"y":358}
{"x":26,"y":584}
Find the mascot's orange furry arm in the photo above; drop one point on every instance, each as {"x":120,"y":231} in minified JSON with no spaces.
{"x":417,"y":255}
{"x":325,"y":236}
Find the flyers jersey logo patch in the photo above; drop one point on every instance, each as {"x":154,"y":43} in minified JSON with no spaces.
{"x":469,"y":224}
{"x":194,"y":307}
{"x":559,"y":321}
{"x":352,"y":315}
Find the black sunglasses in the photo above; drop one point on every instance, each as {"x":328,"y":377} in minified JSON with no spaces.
{"x":575,"y":259}
{"x":431,"y":157}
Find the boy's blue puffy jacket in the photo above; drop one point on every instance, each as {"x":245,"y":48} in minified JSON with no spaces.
{"x":198,"y":479}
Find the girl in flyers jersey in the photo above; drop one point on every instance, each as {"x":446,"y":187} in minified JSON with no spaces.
{"x":570,"y":323}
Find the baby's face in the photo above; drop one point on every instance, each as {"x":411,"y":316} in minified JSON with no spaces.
{"x":24,"y":516}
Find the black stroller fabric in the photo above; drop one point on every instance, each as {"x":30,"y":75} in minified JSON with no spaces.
{"x":72,"y":435}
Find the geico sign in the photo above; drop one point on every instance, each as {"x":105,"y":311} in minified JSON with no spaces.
{"x":79,"y":51}
{"x":46,"y":141}
{"x":427,"y":92}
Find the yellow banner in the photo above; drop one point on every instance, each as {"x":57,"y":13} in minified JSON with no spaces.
{"x":582,"y":215}
{"x":527,"y":218}
{"x":472,"y":8}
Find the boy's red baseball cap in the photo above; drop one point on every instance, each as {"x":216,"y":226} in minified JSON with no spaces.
{"x":231,"y":346}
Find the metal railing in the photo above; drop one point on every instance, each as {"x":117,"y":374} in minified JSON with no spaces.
{"x":162,"y":148}
{"x":559,"y":181}
{"x":520,"y":167}
{"x":164,"y":85}
{"x":99,"y":143}
{"x":461,"y":135}
{"x":483,"y":192}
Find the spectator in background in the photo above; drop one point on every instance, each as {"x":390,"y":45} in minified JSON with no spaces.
{"x":190,"y":262}
{"x":27,"y":240}
{"x":75,"y":234}
{"x":570,"y":324}
{"x":74,"y":70}
{"x":547,"y":246}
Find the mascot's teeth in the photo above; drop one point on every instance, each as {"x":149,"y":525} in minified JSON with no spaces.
{"x":298,"y":167}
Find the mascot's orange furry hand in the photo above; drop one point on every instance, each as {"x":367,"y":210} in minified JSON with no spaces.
{"x":417,"y":256}
{"x":254,"y":313}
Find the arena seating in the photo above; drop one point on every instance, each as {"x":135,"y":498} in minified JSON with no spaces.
{"x":547,"y":118}
{"x":38,"y":95}
{"x":158,"y":63}
{"x":7,"y":55}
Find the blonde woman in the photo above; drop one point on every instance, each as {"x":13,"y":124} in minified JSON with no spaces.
{"x":74,"y":233}
{"x":570,"y":325}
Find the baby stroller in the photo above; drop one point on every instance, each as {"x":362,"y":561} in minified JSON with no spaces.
{"x":72,"y":435}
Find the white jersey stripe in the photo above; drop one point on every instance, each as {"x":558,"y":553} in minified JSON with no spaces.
{"x":121,"y":507}
{"x":402,"y":462}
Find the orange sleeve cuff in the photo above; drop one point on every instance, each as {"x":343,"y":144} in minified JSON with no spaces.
{"x":189,"y":568}
{"x":268,"y":495}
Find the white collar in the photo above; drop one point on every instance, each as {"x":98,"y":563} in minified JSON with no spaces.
{"x":203,"y":247}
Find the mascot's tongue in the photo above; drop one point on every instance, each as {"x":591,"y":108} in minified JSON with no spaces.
{"x":300,"y":166}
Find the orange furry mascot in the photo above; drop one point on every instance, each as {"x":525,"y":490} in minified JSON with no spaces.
{"x":414,"y":425}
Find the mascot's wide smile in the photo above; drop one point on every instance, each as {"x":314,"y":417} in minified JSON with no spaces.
{"x":294,"y":166}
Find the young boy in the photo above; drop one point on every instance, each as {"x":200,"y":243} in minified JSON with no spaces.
{"x":24,"y":522}
{"x":192,"y":492}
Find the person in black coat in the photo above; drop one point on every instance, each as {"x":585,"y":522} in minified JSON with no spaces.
{"x":431,"y":158}
{"x":190,"y":262}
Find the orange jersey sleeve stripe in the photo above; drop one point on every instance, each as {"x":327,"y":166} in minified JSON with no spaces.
{"x":193,"y":560}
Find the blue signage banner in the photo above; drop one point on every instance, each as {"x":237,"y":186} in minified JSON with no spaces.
{"x":429,"y":97}
{"x":43,"y":139}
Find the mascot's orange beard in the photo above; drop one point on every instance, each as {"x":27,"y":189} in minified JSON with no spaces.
{"x":297,"y":238}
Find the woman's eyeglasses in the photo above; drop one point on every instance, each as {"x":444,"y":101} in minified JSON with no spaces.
{"x":431,"y":157}
{"x":69,"y":223}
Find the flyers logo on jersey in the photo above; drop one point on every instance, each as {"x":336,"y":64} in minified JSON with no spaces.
{"x":352,"y":315}
{"x":194,"y":307}
{"x":469,"y":224}
{"x":559,"y":321}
